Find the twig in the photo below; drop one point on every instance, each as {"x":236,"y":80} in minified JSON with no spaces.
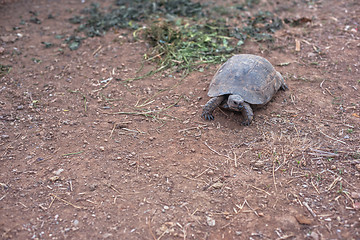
{"x":332,"y":138}
{"x":227,"y":156}
{"x":112,"y":131}
{"x":97,"y":50}
{"x":145,"y":114}
{"x":69,"y":203}
{"x":260,"y":190}
{"x":312,"y":183}
{"x":191,"y":128}
{"x":273,"y":174}
{"x":251,"y":208}
{"x":202,"y":172}
{"x":75,"y":153}
{"x":336,"y":180}
{"x":352,"y":200}
{"x":309,"y":209}
{"x":152,"y":234}
{"x":52,"y":201}
{"x":104,"y":86}
{"x":340,"y":177}
{"x":4,"y":196}
{"x":70,"y":185}
{"x":322,"y":153}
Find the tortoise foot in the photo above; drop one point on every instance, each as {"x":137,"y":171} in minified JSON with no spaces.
{"x":246,"y":123}
{"x":207,"y":116}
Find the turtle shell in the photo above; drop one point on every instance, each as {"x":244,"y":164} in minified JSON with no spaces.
{"x":250,"y":76}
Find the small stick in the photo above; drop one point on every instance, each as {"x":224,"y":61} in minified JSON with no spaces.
{"x":251,"y":208}
{"x":336,"y":180}
{"x":227,"y":156}
{"x":97,"y":50}
{"x":202,"y":172}
{"x":333,"y":138}
{"x":68,"y":154}
{"x":260,"y":190}
{"x":312,"y":183}
{"x":52,"y":201}
{"x":309,"y":209}
{"x":152,"y":234}
{"x":112,"y":131}
{"x":352,"y":200}
{"x":23,"y":205}
{"x":70,"y":184}
{"x":341,"y":179}
{"x":69,"y":203}
{"x":273,"y":173}
{"x":4,"y":196}
{"x":194,"y":212}
{"x":191,"y":128}
{"x":104,"y":86}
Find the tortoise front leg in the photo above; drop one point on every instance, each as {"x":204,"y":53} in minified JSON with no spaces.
{"x":210,"y":107}
{"x":247,"y":113}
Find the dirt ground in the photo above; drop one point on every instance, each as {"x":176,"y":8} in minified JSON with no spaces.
{"x":85,"y":155}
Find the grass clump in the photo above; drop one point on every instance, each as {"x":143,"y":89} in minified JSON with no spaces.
{"x":183,"y":34}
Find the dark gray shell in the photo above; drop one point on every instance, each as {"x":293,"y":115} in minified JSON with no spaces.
{"x":250,"y":76}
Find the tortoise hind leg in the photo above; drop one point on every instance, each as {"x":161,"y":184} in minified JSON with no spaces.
{"x":210,"y":107}
{"x":247,"y":113}
{"x":283,"y":85}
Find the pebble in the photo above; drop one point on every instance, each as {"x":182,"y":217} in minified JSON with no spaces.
{"x":4,"y":137}
{"x":166,"y":207}
{"x":58,"y":172}
{"x":355,"y":194}
{"x":217,"y":185}
{"x":20,"y":107}
{"x":102,"y":148}
{"x":76,"y":222}
{"x":357,"y":167}
{"x":210,"y":221}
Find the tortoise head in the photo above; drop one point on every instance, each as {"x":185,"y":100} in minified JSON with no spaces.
{"x":235,"y":102}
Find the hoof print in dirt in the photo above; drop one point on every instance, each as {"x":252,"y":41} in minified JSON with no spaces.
{"x":242,"y":81}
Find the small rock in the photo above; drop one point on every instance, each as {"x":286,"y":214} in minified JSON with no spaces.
{"x":355,"y":195}
{"x":76,"y":222}
{"x":3,"y":137}
{"x":333,"y":167}
{"x":54,"y":178}
{"x":2,"y":50}
{"x":357,"y":167}
{"x":58,"y":172}
{"x":166,"y":207}
{"x":93,"y":187}
{"x":132,"y":163}
{"x":217,"y":185}
{"x":303,"y":220}
{"x":210,"y":172}
{"x":107,"y":235}
{"x":102,"y":148}
{"x":327,"y":219}
{"x":9,"y":39}
{"x":314,"y":235}
{"x":20,"y":107}
{"x":210,"y":221}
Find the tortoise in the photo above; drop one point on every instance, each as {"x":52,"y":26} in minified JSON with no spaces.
{"x":243,"y":80}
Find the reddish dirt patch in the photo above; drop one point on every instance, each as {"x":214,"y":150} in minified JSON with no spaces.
{"x":77,"y":163}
